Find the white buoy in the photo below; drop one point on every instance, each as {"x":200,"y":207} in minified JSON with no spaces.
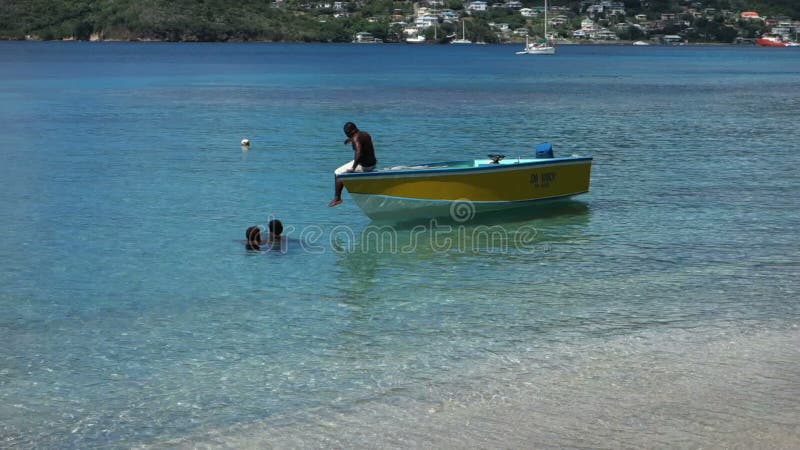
{"x":245,"y":142}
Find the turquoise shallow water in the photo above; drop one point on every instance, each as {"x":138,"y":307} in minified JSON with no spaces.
{"x":660,"y":308}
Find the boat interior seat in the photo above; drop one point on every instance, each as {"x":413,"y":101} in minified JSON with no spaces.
{"x":544,"y":150}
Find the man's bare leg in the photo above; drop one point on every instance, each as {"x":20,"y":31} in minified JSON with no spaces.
{"x":337,"y":198}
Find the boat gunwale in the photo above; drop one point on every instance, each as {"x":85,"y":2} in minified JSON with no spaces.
{"x":446,"y":170}
{"x":477,"y":202}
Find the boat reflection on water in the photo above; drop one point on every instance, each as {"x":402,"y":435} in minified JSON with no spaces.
{"x":447,"y":253}
{"x":507,"y":232}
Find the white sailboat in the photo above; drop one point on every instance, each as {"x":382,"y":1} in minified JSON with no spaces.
{"x":463,"y":39}
{"x":544,"y":47}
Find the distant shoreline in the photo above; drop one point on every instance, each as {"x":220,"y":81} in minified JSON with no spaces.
{"x":512,"y":42}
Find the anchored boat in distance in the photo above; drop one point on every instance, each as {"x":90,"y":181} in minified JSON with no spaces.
{"x":544,"y":47}
{"x":775,"y":40}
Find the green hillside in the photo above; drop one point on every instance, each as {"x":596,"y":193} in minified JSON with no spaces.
{"x":290,"y":20}
{"x":173,"y":20}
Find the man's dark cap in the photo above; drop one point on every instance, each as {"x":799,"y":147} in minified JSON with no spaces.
{"x":350,"y":128}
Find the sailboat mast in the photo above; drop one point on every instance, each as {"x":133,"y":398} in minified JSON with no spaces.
{"x":545,"y":19}
{"x":435,"y":23}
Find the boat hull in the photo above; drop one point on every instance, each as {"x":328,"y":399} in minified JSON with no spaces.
{"x":396,"y":209}
{"x":770,"y":43}
{"x":542,"y":50}
{"x":774,"y":41}
{"x":457,"y":192}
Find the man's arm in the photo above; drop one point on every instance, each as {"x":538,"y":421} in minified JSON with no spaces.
{"x":357,"y":151}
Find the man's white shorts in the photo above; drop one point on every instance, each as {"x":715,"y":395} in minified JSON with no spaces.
{"x":347,"y":168}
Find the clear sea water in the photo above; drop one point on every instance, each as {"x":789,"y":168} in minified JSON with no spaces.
{"x":660,"y":310}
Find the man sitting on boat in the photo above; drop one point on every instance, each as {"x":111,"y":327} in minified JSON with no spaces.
{"x":363,"y":157}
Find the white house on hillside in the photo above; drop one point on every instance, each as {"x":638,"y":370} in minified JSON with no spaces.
{"x":478,"y":6}
{"x":557,"y":21}
{"x":425,"y":21}
{"x":605,"y":35}
{"x":502,"y":27}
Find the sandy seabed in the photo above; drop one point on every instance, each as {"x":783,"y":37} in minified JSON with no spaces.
{"x":739,"y":390}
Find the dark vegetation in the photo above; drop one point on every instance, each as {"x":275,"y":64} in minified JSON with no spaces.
{"x":307,"y":21}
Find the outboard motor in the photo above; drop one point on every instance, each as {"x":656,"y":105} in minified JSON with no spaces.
{"x":544,"y":150}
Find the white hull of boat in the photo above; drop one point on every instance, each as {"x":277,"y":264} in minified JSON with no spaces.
{"x":541,"y":50}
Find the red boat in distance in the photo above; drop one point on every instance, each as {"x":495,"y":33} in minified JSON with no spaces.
{"x":774,"y":40}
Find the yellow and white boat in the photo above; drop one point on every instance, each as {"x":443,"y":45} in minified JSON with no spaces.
{"x":463,"y":189}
